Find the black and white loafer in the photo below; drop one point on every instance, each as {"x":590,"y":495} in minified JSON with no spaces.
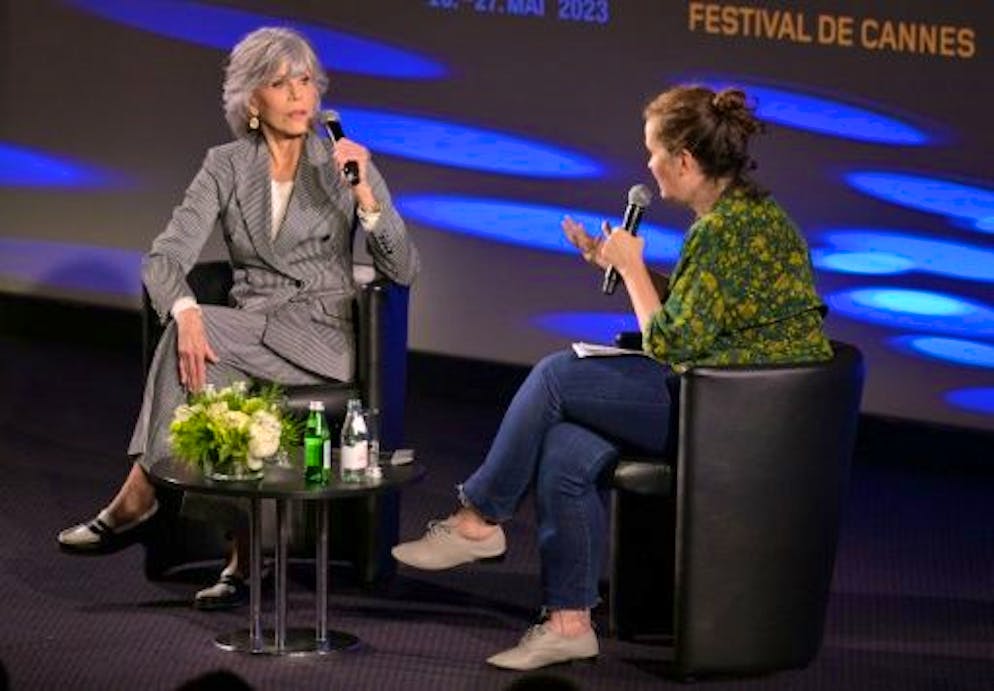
{"x":101,"y":536}
{"x":229,"y":592}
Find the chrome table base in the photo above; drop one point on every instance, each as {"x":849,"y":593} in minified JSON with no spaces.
{"x":297,"y":641}
{"x":280,"y":640}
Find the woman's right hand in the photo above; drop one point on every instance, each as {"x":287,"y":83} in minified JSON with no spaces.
{"x":586,"y":243}
{"x":192,"y":349}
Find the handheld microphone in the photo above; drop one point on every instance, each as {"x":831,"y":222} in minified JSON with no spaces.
{"x":333,"y":126}
{"x":639,"y":197}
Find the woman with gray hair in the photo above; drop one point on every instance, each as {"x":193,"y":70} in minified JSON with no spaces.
{"x":287,"y":214}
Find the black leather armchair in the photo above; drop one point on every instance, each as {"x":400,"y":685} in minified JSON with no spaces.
{"x":362,"y":529}
{"x":726,"y":546}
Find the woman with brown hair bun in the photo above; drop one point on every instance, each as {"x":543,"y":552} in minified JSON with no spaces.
{"x":742,"y":292}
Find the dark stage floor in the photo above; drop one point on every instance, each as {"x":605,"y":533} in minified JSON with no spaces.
{"x":912,"y":604}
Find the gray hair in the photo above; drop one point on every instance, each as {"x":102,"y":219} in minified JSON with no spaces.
{"x":256,"y":60}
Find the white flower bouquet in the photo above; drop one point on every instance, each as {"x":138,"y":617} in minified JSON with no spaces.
{"x":230,"y":432}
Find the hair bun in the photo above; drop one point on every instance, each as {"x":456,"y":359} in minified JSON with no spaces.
{"x":728,"y":100}
{"x":715,"y":127}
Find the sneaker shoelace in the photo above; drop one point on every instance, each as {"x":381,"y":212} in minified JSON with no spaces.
{"x":536,"y":631}
{"x":539,"y":630}
{"x":438,"y":526}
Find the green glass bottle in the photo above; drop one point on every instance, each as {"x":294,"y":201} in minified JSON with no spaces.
{"x":317,"y":446}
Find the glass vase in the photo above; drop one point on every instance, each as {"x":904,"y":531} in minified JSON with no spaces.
{"x":236,"y":471}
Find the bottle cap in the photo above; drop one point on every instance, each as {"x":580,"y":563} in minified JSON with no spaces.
{"x":316,"y":405}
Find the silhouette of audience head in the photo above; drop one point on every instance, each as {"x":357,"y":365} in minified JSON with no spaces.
{"x":542,"y":682}
{"x":218,"y":680}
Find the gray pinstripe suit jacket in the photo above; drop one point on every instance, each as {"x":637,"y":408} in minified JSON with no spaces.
{"x":302,"y":280}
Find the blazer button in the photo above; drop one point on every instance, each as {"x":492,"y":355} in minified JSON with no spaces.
{"x":299,"y":283}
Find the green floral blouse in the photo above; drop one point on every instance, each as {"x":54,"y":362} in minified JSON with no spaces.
{"x":742,"y":292}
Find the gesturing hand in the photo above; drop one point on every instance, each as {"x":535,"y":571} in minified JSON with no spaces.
{"x":192,"y":349}
{"x":588,"y":245}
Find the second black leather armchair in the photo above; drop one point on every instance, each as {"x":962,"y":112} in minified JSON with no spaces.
{"x":726,"y":545}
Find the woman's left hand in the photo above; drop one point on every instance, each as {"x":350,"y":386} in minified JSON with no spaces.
{"x":620,"y":249}
{"x":588,"y":244}
{"x":347,"y":150}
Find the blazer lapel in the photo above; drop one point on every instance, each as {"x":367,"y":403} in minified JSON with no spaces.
{"x":315,"y":196}
{"x":252,"y":192}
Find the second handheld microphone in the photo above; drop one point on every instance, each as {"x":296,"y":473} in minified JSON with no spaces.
{"x":639,"y":197}
{"x":333,"y":126}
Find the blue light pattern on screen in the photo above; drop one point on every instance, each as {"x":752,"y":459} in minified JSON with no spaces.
{"x":954,"y":350}
{"x":865,"y":251}
{"x":221,"y":27}
{"x":71,"y":266}
{"x":792,"y":108}
{"x":919,"y":310}
{"x":451,"y":144}
{"x":518,"y":223}
{"x":953,"y":199}
{"x":977,"y":400}
{"x":943,"y":323}
{"x":866,"y":263}
{"x":596,"y":327}
{"x":23,"y":167}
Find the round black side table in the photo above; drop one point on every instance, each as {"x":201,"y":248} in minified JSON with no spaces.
{"x":284,"y":484}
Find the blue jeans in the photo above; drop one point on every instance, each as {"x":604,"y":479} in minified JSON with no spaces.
{"x":565,"y":425}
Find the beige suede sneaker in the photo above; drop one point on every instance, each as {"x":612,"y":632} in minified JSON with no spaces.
{"x":441,"y":547}
{"x":540,"y":646}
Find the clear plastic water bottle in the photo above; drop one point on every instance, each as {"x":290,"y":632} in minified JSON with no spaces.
{"x":317,"y":446}
{"x":374,"y":473}
{"x":355,"y":444}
